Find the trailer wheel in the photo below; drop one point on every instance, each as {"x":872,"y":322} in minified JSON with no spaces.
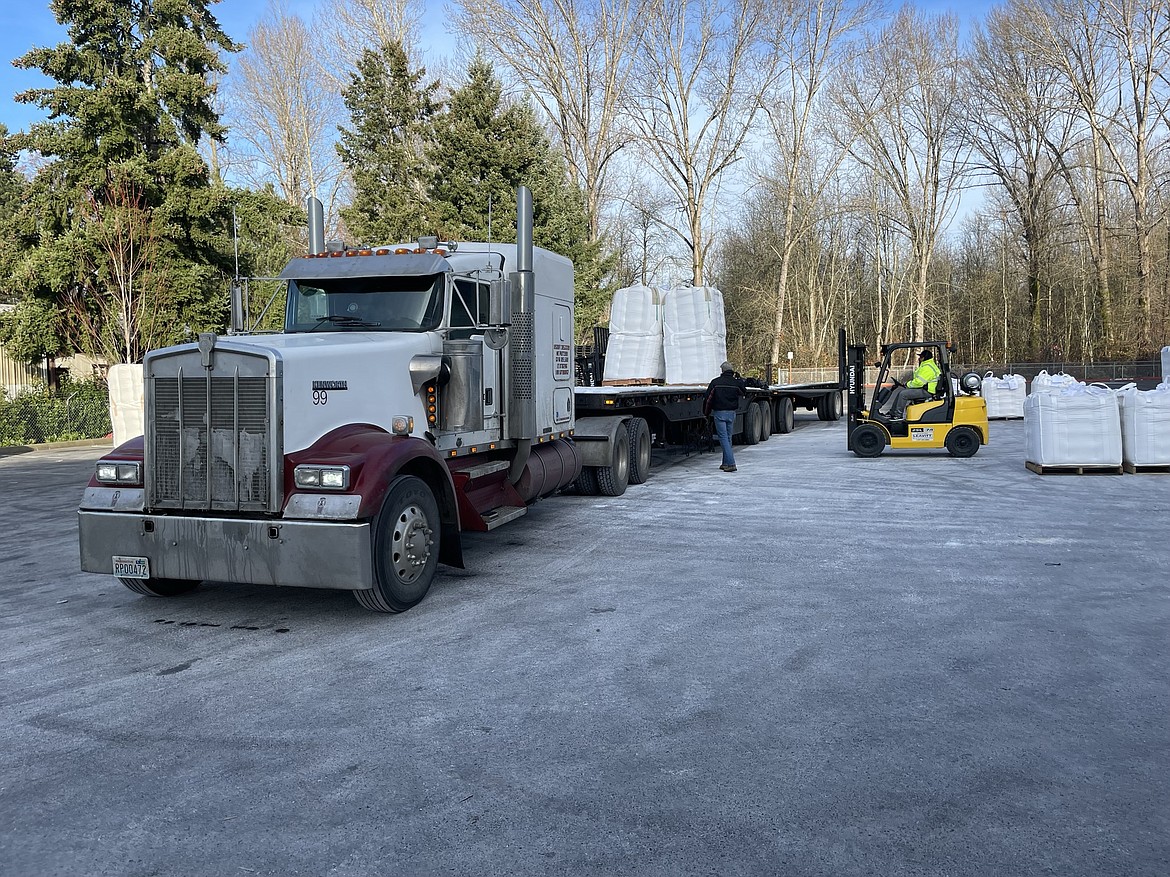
{"x":586,"y":483}
{"x":765,"y":421}
{"x":962,"y":441}
{"x":639,"y":434}
{"x":784,"y":415}
{"x":613,"y":479}
{"x":868,"y":440}
{"x":829,"y":406}
{"x":751,"y":424}
{"x":160,"y":587}
{"x":406,"y":547}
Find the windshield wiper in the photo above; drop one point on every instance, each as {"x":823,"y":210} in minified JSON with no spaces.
{"x":345,"y":320}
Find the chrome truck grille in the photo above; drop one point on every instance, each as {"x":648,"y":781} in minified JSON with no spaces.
{"x":213,"y":440}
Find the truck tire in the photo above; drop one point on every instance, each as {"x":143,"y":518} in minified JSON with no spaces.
{"x":829,"y":407}
{"x":613,"y":479}
{"x":765,"y":421}
{"x":639,"y":434}
{"x":962,"y":441}
{"x":751,"y":424}
{"x":160,"y":587}
{"x":784,"y":415}
{"x":868,"y":440}
{"x":586,"y":483}
{"x":406,"y":547}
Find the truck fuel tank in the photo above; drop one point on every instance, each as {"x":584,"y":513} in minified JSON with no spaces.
{"x":550,"y":467}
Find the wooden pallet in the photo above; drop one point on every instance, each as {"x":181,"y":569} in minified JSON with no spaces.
{"x":1151,"y":469}
{"x":1072,"y":470}
{"x":631,"y":382}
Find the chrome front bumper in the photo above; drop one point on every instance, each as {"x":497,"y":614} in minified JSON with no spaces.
{"x":300,"y":554}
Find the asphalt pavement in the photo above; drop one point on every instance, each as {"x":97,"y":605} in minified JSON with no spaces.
{"x":817,"y":665}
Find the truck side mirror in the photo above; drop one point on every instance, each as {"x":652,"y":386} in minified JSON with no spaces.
{"x":500,"y":303}
{"x":238,"y":317}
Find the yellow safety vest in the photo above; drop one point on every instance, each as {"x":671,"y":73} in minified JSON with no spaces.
{"x":926,"y":375}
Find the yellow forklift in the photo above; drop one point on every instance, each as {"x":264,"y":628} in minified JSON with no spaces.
{"x":948,"y":419}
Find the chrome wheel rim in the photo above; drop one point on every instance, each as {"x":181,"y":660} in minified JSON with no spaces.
{"x":411,"y":546}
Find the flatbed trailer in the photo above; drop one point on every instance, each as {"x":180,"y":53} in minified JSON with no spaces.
{"x":616,"y":427}
{"x":673,"y":410}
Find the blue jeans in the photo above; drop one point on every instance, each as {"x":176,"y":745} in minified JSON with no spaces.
{"x":724,"y":423}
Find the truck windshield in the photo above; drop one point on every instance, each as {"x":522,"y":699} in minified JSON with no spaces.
{"x":365,"y":304}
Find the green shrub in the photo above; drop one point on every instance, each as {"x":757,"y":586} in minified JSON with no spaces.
{"x":79,"y":410}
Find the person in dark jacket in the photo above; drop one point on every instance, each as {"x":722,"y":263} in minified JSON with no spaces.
{"x":721,"y":402}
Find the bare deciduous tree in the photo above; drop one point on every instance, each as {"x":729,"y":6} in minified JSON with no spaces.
{"x":574,"y":59}
{"x":810,"y":40}
{"x":349,"y":27}
{"x":1015,"y":123}
{"x":117,"y":317}
{"x":1065,"y":36}
{"x":1140,"y":35}
{"x":701,"y":72}
{"x":286,"y":113}
{"x":901,"y":100}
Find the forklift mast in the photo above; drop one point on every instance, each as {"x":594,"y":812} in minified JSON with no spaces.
{"x":851,"y":361}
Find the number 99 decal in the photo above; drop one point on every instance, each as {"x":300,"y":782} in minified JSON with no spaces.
{"x":320,"y":397}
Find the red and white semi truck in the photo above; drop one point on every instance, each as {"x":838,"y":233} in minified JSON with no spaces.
{"x":416,"y":392}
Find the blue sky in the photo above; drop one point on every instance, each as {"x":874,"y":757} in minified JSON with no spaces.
{"x":35,"y":26}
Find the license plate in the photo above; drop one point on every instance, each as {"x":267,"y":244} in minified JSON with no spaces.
{"x":131,"y":567}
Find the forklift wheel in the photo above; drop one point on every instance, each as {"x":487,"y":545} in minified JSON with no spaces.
{"x":868,"y":440}
{"x":962,"y":441}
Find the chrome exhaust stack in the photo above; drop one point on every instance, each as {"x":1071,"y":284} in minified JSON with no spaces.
{"x":522,"y":363}
{"x":316,"y":225}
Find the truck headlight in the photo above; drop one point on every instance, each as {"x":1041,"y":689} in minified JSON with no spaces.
{"x":324,"y":477}
{"x":111,"y":472}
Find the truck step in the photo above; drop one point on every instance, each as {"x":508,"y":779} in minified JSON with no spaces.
{"x":482,"y":469}
{"x":502,"y":515}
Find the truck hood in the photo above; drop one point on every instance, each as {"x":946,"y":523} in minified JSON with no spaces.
{"x":332,"y":379}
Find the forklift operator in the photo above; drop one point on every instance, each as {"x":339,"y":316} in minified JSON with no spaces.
{"x":921,"y":386}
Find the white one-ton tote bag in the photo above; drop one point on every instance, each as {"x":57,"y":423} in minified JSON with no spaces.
{"x":1145,"y":425}
{"x":1077,"y":426}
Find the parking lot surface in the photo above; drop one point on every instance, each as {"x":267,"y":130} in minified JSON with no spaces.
{"x":817,"y":665}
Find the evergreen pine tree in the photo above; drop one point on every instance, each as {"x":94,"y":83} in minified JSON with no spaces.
{"x":485,"y":147}
{"x":133,"y":101}
{"x":386,"y":150}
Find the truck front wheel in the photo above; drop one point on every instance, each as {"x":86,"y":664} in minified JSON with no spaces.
{"x":160,"y":587}
{"x":406,"y":547}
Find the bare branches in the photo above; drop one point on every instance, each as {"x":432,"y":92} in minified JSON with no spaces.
{"x":115,"y":310}
{"x":902,"y":100}
{"x":702,"y":70}
{"x":286,"y":113}
{"x":574,"y":60}
{"x":346,"y":28}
